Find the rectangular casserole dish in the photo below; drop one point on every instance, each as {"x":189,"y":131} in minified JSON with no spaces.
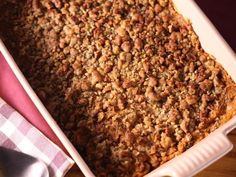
{"x":199,"y":156}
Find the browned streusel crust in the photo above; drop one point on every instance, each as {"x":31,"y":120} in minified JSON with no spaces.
{"x":126,"y":80}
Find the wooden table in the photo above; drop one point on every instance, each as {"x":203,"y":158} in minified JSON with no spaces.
{"x":225,"y":167}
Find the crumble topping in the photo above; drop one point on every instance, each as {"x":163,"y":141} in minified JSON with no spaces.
{"x":126,"y":80}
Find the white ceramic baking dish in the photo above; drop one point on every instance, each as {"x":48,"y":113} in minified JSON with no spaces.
{"x":200,"y":155}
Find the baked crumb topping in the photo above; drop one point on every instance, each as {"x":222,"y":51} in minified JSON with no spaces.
{"x":126,"y":80}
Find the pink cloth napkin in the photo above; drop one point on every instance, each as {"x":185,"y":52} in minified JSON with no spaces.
{"x":18,"y":134}
{"x":13,"y":93}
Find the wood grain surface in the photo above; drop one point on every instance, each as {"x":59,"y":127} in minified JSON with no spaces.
{"x":224,"y":167}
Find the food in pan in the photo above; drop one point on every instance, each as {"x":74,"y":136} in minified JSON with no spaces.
{"x":126,"y":80}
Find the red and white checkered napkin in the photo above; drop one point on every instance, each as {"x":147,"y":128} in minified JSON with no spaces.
{"x":18,"y":134}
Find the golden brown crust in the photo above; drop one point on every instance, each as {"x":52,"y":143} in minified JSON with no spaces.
{"x":126,"y":80}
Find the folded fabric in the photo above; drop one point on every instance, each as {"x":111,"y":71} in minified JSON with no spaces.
{"x":18,"y":134}
{"x":13,"y":93}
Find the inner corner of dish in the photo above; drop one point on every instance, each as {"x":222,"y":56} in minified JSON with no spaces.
{"x":126,"y":80}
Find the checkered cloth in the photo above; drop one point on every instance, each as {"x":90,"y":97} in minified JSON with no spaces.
{"x":18,"y":134}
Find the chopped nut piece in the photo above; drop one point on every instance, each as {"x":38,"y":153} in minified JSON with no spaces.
{"x":100,"y":116}
{"x":127,"y":84}
{"x":152,"y":82}
{"x":121,"y":32}
{"x":146,"y":67}
{"x":142,"y":74}
{"x":157,"y":8}
{"x":183,"y":104}
{"x":115,"y":49}
{"x":124,"y":56}
{"x":108,"y":69}
{"x":73,"y":52}
{"x":96,"y":77}
{"x":152,"y":96}
{"x":118,"y":40}
{"x":163,"y":3}
{"x":136,"y":17}
{"x":191,"y":67}
{"x":184,"y":125}
{"x":57,"y":3}
{"x":85,"y":85}
{"x":165,"y":141}
{"x":138,"y":44}
{"x":191,"y":99}
{"x":206,"y":85}
{"x":126,"y":46}
{"x":129,"y":138}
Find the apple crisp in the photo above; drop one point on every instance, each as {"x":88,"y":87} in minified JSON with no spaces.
{"x":126,"y":80}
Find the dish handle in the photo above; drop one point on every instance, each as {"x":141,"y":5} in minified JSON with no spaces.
{"x":196,"y":158}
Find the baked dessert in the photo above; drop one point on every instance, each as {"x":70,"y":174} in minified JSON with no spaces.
{"x":126,"y":80}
